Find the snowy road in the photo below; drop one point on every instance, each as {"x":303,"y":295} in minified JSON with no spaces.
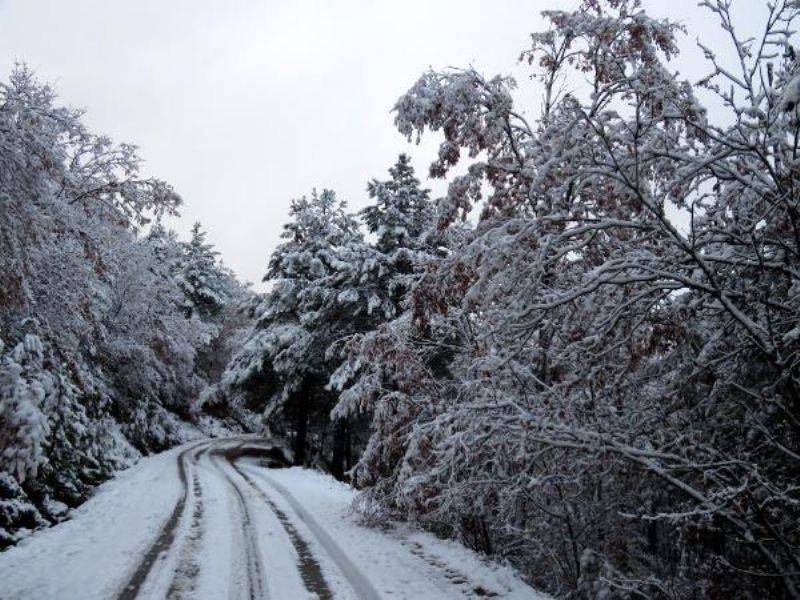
{"x":211,"y":520}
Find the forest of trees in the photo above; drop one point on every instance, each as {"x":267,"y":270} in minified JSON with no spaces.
{"x":583,"y":359}
{"x":108,"y":334}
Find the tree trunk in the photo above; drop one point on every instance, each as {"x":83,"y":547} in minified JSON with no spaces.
{"x":339,"y":448}
{"x":301,"y":435}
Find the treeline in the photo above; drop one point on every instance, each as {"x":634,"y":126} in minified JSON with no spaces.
{"x":110,"y":327}
{"x":598,"y":380}
{"x":335,"y":276}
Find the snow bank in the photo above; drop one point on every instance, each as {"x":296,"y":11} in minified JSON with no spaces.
{"x":92,"y":554}
{"x":400,"y":562}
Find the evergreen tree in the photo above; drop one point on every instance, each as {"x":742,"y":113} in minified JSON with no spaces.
{"x":401,"y":210}
{"x":330,"y":286}
{"x":203,"y":281}
{"x":399,"y":218}
{"x":167,"y":250}
{"x":285,"y":361}
{"x":23,"y":426}
{"x":383,"y":371}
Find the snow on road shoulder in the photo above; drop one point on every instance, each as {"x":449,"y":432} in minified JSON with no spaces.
{"x":402,"y":562}
{"x":90,"y":555}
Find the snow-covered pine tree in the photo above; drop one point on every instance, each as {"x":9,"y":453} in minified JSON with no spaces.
{"x":400,"y":215}
{"x":167,"y":250}
{"x":401,"y":210}
{"x":203,"y":281}
{"x":24,"y":429}
{"x":285,"y":363}
{"x":381,"y":366}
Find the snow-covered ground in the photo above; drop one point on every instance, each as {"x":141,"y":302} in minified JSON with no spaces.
{"x":200,"y":521}
{"x":86,"y":556}
{"x":400,"y":562}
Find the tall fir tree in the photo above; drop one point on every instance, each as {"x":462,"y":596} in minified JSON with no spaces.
{"x":203,"y":281}
{"x":285,"y":362}
{"x":401,"y":210}
{"x":399,"y":217}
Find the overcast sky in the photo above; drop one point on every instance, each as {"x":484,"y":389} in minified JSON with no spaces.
{"x":243,"y":105}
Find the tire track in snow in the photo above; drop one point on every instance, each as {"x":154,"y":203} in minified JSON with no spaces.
{"x":360,"y":584}
{"x":256,"y":582}
{"x":166,"y":538}
{"x":310,"y":571}
{"x":186,"y":573}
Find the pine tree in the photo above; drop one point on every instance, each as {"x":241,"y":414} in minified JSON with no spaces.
{"x":286,"y":359}
{"x":202,"y":279}
{"x":167,"y":250}
{"x":399,"y":218}
{"x":401,"y":211}
{"x":24,"y":429}
{"x":381,"y":367}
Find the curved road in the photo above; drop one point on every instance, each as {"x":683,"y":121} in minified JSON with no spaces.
{"x":241,"y":529}
{"x":171,"y":568}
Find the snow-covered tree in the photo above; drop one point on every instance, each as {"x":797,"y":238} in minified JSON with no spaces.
{"x":380,"y":367}
{"x":614,"y":396}
{"x":23,"y":426}
{"x":399,"y":217}
{"x":203,"y":281}
{"x":100,"y":356}
{"x":331,"y":286}
{"x":285,"y":360}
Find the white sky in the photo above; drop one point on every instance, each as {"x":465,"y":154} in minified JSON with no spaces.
{"x":243,"y":105}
